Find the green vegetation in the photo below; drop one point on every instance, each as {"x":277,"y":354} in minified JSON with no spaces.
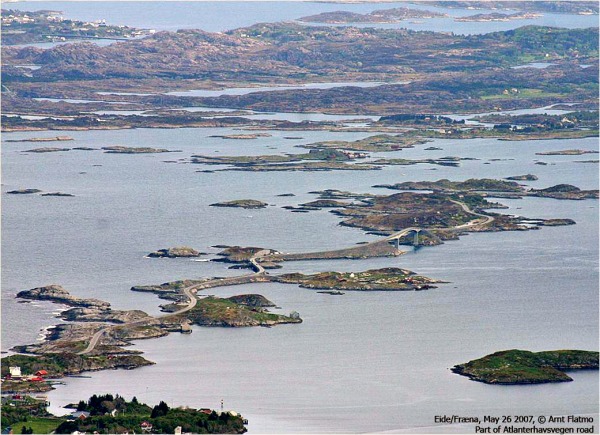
{"x":29,"y":412}
{"x":113,"y":414}
{"x":55,"y":364}
{"x":110,"y":414}
{"x":39,"y":425}
{"x":60,"y":364}
{"x":213,"y":311}
{"x":524,"y":367}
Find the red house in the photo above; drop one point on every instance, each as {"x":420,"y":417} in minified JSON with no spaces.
{"x":41,"y":373}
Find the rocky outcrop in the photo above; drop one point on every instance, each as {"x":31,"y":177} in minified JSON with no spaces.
{"x":239,"y":254}
{"x":178,"y":251}
{"x":81,"y":314}
{"x":57,"y":294}
{"x":528,"y":177}
{"x":251,"y":300}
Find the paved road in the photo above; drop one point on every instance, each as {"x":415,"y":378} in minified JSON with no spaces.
{"x":94,"y":341}
{"x":254,"y":260}
{"x":486,"y":219}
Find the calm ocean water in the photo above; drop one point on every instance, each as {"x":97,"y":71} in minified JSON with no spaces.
{"x":383,"y":355}
{"x":362,"y":362}
{"x":218,"y":16}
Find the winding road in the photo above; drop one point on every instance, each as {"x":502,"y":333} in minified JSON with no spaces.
{"x":189,"y":292}
{"x":260,"y":272}
{"x":486,"y":219}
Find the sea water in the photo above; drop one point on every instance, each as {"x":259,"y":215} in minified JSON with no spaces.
{"x":359,"y":362}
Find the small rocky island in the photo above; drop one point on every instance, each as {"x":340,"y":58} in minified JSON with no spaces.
{"x":241,"y":203}
{"x":572,"y":152}
{"x":241,"y":136}
{"x":57,"y":294}
{"x":46,"y":150}
{"x":514,"y":367}
{"x":23,"y":191}
{"x":118,"y":149}
{"x":175,"y":252}
{"x":526,"y":177}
